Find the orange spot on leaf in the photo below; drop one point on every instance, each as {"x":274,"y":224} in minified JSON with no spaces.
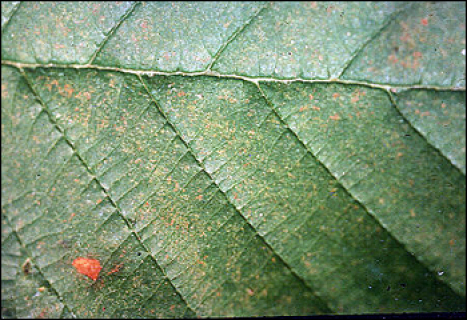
{"x":87,"y":95}
{"x":393,"y":59}
{"x":116,"y":269}
{"x":88,"y":267}
{"x":424,"y":22}
{"x":68,"y":89}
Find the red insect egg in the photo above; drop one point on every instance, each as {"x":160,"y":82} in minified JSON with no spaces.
{"x":88,"y":267}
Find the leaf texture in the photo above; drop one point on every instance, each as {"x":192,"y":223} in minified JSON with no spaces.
{"x":233,"y":159}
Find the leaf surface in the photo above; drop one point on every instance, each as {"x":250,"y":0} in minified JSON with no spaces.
{"x":233,"y":159}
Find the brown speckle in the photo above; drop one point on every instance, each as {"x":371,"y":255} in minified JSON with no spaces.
{"x":26,"y":267}
{"x":335,"y":117}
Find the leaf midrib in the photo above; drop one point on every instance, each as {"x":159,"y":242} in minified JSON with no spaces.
{"x":387,"y":88}
{"x":209,"y":73}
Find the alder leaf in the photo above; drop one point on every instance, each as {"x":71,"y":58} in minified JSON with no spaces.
{"x":233,"y":158}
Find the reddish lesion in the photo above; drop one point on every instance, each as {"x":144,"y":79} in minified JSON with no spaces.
{"x":116,"y":269}
{"x":26,"y":267}
{"x":88,"y":267}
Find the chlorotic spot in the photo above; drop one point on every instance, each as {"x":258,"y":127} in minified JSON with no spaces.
{"x":88,"y":267}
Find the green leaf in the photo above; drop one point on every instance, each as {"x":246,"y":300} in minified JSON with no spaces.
{"x":426,"y":37}
{"x":8,"y":8}
{"x":21,"y":278}
{"x":233,"y":159}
